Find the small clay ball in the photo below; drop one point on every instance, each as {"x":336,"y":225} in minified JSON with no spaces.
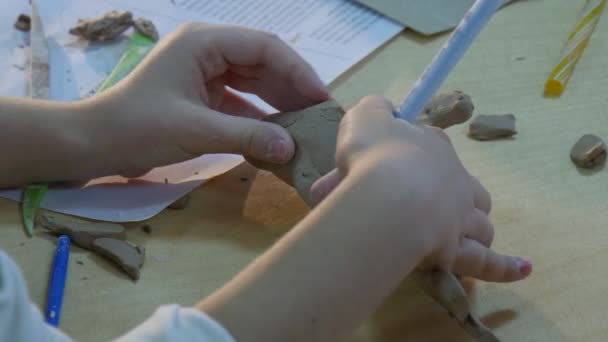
{"x":588,"y":152}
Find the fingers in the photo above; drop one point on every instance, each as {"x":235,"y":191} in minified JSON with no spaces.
{"x":256,"y":62}
{"x":324,"y":186}
{"x":233,"y":104}
{"x":477,"y":261}
{"x":220,"y":133}
{"x":363,"y":125}
{"x":479,"y":228}
{"x":483,"y":200}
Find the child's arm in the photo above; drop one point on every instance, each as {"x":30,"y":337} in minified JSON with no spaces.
{"x":405,"y":199}
{"x":175,"y":106}
{"x":44,"y":140}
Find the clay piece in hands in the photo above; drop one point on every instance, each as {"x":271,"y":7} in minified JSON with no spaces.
{"x":491,"y":127}
{"x":146,"y":27}
{"x":128,"y":256}
{"x":314,"y":131}
{"x":447,"y":109}
{"x":445,"y":288}
{"x":588,"y":152}
{"x":103,"y":28}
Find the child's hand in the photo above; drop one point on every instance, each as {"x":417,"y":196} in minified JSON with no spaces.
{"x":175,"y":106}
{"x":425,"y":177}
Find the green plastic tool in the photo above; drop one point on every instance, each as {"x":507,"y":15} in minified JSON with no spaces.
{"x":138,"y":48}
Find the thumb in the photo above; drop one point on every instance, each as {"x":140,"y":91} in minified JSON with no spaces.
{"x":252,"y":138}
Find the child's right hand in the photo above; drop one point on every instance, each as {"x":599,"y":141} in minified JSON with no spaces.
{"x":422,"y":185}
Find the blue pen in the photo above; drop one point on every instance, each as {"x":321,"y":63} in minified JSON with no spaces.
{"x":57,"y":283}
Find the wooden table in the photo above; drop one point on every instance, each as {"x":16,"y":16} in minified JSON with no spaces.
{"x":544,"y":208}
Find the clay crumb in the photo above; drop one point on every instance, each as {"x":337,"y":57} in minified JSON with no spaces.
{"x":146,"y":229}
{"x":446,"y":110}
{"x":103,"y":28}
{"x":491,"y":127}
{"x":80,"y":262}
{"x":146,"y":27}
{"x":127,"y":255}
{"x":180,"y":203}
{"x":588,"y":152}
{"x":23,"y":23}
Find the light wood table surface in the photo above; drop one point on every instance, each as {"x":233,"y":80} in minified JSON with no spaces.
{"x":544,"y":208}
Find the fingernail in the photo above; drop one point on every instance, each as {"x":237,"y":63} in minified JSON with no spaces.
{"x":276,"y":150}
{"x":524,"y":266}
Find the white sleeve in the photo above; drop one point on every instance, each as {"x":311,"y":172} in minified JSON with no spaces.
{"x":21,"y":320}
{"x":176,"y":323}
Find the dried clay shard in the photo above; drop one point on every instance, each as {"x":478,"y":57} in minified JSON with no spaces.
{"x":447,"y":291}
{"x":447,"y":110}
{"x":146,"y":27}
{"x":314,"y":131}
{"x":588,"y":152}
{"x":128,"y":256}
{"x":105,"y":27}
{"x":490,"y":127}
{"x":23,"y":23}
{"x":80,"y":232}
{"x":180,"y":203}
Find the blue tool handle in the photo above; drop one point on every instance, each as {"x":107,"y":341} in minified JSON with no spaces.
{"x":57,"y":283}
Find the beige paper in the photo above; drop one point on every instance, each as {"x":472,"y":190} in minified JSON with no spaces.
{"x":423,"y":16}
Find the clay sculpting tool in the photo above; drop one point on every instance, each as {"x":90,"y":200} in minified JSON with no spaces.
{"x":138,"y":48}
{"x":575,"y":47}
{"x":448,"y":57}
{"x":57,"y":283}
{"x":39,"y":89}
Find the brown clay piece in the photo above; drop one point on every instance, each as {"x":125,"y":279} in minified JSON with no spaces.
{"x":146,"y":27}
{"x":490,"y":127}
{"x":80,"y":232}
{"x":103,"y":28}
{"x":588,"y":152}
{"x":23,"y":23}
{"x":127,"y":255}
{"x":447,"y":110}
{"x":448,"y":292}
{"x":314,"y":131}
{"x":180,"y":203}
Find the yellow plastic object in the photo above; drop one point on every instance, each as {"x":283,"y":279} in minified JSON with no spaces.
{"x":575,"y":46}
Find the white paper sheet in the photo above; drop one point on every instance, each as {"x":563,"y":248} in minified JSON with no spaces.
{"x":332,"y":35}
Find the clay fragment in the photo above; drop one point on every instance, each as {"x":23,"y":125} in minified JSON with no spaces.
{"x":490,"y":127}
{"x":447,"y":110}
{"x":81,"y":233}
{"x":588,"y":152}
{"x":103,"y":28}
{"x":146,"y":27}
{"x":128,"y":256}
{"x":180,"y":203}
{"x":23,"y":23}
{"x":314,"y":131}
{"x":448,"y":292}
